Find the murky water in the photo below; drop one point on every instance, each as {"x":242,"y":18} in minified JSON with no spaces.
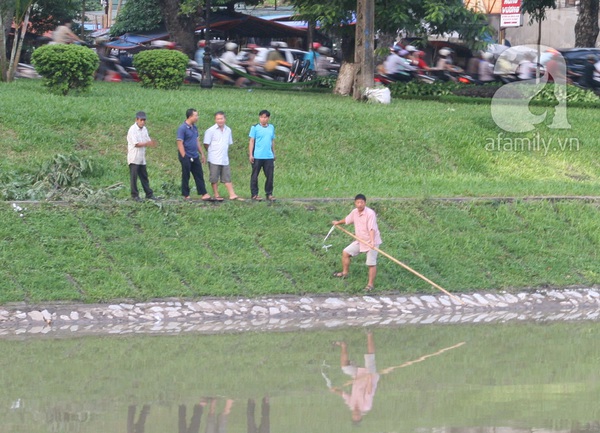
{"x":515,"y":377}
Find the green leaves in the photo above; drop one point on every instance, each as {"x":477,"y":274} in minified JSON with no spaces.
{"x":66,"y":67}
{"x":161,"y":69}
{"x":537,"y":9}
{"x":137,"y":16}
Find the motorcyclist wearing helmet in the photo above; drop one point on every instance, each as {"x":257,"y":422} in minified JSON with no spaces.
{"x":322,"y":61}
{"x":419,"y":61}
{"x":486,"y":68}
{"x":276,"y":63}
{"x":396,"y":66}
{"x":312,"y":56}
{"x":445,"y":59}
{"x":232,"y":64}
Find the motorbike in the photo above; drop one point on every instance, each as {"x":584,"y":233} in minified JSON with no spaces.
{"x":417,"y":76}
{"x":112,"y":70}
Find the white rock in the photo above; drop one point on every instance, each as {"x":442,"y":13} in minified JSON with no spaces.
{"x":334,"y":303}
{"x":36,"y":316}
{"x":256,"y":310}
{"x":74,"y":315}
{"x":429,"y":299}
{"x":480,"y":299}
{"x":416,"y":301}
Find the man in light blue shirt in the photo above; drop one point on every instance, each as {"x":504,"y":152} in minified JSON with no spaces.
{"x":261,"y":152}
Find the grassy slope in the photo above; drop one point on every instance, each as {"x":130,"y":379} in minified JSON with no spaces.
{"x":327,"y":147}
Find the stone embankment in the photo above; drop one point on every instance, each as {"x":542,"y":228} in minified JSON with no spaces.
{"x":287,"y":313}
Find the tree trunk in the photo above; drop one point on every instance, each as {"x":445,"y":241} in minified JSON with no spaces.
{"x":586,"y":28}
{"x":2,"y":49}
{"x":6,"y":18}
{"x":345,"y":80}
{"x":363,"y":53}
{"x":181,"y":28}
{"x":17,"y":56}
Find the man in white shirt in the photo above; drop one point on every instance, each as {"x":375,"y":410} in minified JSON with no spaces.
{"x":137,"y":141}
{"x":217,"y":140}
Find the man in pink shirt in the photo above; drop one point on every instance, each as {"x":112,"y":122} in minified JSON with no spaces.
{"x":365,"y":228}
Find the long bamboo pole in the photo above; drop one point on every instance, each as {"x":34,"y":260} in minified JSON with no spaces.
{"x":408,"y":268}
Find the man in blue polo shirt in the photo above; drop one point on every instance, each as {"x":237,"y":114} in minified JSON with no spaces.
{"x":191,"y":156}
{"x":261,"y":151}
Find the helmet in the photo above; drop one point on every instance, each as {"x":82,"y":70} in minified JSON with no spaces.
{"x":201,"y":43}
{"x":323,"y":50}
{"x":278,"y":44}
{"x":231,"y":46}
{"x":316,"y":45}
{"x":420,"y":54}
{"x":411,"y":48}
{"x":445,"y":52}
{"x":487,"y":56}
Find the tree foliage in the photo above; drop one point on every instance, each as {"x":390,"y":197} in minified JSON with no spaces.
{"x":416,"y":17}
{"x":537,"y":9}
{"x":47,"y":14}
{"x":137,"y":16}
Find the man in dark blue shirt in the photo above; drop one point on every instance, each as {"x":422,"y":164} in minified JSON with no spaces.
{"x":191,"y":156}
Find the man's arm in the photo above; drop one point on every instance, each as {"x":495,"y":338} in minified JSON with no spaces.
{"x":338,"y":222}
{"x":201,"y":150}
{"x":181,"y":148}
{"x":133,"y":140}
{"x":251,"y":150}
{"x":273,"y":148}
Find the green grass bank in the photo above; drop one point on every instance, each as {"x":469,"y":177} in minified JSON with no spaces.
{"x":327,"y":147}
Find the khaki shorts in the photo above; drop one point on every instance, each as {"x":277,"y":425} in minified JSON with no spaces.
{"x":370,"y":367}
{"x":217,"y":172}
{"x":354,"y":250}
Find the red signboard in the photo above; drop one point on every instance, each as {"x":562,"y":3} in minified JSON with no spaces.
{"x":510,"y":13}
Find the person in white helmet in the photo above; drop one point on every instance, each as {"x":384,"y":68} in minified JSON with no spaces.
{"x":230,"y":63}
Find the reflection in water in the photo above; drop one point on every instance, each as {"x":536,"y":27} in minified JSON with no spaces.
{"x":265,"y":422}
{"x":140,"y":425}
{"x":364,"y":380}
{"x":510,"y":378}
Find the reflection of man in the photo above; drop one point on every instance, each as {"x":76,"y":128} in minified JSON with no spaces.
{"x":218,"y":423}
{"x":265,"y":424}
{"x":364,"y":380}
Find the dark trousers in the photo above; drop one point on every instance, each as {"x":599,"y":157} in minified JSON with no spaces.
{"x":140,"y":171}
{"x":195,"y":168}
{"x":268,"y":168}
